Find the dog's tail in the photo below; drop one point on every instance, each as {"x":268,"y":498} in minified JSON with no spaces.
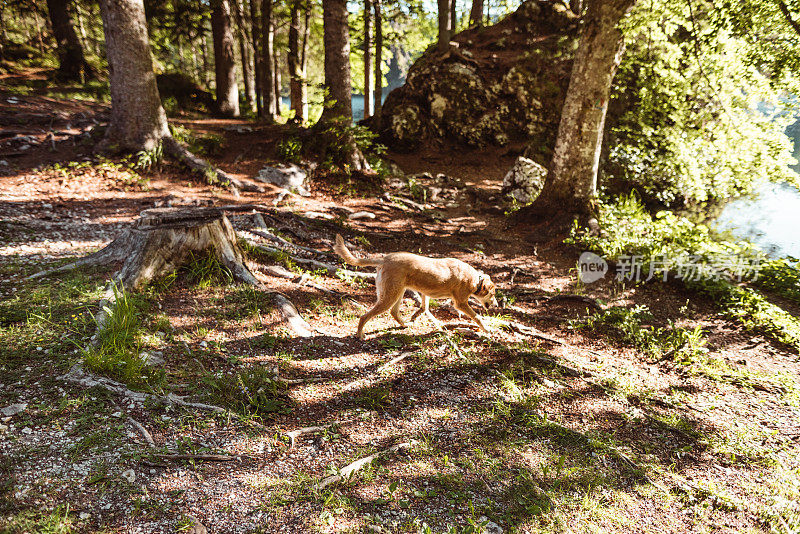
{"x":341,"y":249}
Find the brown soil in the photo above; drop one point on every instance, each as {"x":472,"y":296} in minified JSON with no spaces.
{"x":723,"y":437}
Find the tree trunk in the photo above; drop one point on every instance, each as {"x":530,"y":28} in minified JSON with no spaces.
{"x":572,"y":183}
{"x":368,"y":92}
{"x":378,"y":56}
{"x":278,"y":84}
{"x":444,"y":25}
{"x":267,"y":60}
{"x":257,"y":67}
{"x":138,"y":121}
{"x":72,"y":64}
{"x":476,"y":14}
{"x":293,"y":60}
{"x":337,"y":60}
{"x":453,"y":17}
{"x":304,"y":56}
{"x":224,"y":60}
{"x":246,"y":56}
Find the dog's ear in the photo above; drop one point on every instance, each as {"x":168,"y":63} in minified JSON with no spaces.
{"x":487,"y":286}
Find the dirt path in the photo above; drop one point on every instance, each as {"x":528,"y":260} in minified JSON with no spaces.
{"x":507,"y":432}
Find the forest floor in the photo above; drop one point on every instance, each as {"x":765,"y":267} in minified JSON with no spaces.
{"x":559,"y":427}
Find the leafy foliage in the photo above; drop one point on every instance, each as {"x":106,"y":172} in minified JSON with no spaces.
{"x":695,"y":116}
{"x":667,"y":239}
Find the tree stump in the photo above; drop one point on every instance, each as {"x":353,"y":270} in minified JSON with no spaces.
{"x":162,"y":240}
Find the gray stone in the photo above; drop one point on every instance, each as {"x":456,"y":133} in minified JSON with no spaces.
{"x":14,"y":409}
{"x":153,"y":359}
{"x":290,"y":177}
{"x":525,"y":180}
{"x":361,"y":215}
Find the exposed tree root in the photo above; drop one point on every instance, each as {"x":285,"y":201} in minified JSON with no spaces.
{"x":348,"y":471}
{"x":329,"y":268}
{"x":204,"y":457}
{"x":201,"y":166}
{"x":77,"y":375}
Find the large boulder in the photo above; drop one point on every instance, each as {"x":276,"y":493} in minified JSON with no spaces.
{"x":494,"y":86}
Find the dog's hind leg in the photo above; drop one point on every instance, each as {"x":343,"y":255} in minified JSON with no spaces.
{"x":423,"y":308}
{"x":396,"y":312}
{"x":386,"y":300}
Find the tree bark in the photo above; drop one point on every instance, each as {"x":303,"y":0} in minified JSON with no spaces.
{"x":246,"y":56}
{"x":453,"y":17}
{"x":476,"y":14}
{"x":257,"y":67}
{"x":278,"y":84}
{"x":444,"y":25}
{"x":297,"y":83}
{"x":224,"y":59}
{"x":337,"y":60}
{"x":138,"y":121}
{"x":267,"y":60}
{"x":378,"y":56}
{"x":572,"y":182}
{"x":72,"y":64}
{"x":368,"y":91}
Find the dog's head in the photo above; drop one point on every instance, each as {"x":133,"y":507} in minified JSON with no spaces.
{"x":485,"y":292}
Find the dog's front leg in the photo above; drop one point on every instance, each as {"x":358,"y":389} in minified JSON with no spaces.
{"x":465,"y":307}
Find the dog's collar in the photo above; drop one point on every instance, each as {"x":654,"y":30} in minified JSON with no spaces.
{"x":481,"y":279}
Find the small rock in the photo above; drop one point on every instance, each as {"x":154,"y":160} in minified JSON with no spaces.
{"x":203,"y":344}
{"x":116,"y":414}
{"x":525,"y":180}
{"x":83,"y":516}
{"x":26,"y":430}
{"x":14,"y":409}
{"x":129,"y":475}
{"x":290,"y":177}
{"x":152,"y":359}
{"x":3,"y":163}
{"x":318,"y":215}
{"x":361,"y":215}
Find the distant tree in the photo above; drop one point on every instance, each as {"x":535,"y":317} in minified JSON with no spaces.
{"x":337,"y":59}
{"x":378,"y":56}
{"x":72,"y":63}
{"x":224,"y":59}
{"x":368,"y":90}
{"x":138,"y":121}
{"x":267,"y":37}
{"x":572,"y":182}
{"x":339,"y":110}
{"x":246,"y":56}
{"x":296,"y":60}
{"x":445,"y":32}
{"x":476,"y":14}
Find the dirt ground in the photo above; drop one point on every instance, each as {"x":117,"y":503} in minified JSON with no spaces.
{"x":560,"y":427}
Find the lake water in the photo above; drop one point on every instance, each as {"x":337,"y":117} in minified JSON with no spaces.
{"x":770,"y":220}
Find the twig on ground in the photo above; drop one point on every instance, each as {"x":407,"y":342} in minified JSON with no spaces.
{"x":393,"y":361}
{"x":349,"y":470}
{"x":147,"y":437}
{"x":294,"y":434}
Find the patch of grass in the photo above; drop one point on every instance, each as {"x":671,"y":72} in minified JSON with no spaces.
{"x":375,"y":398}
{"x":119,"y":342}
{"x":249,"y":391}
{"x":682,"y":344}
{"x":55,"y":521}
{"x":205,"y":270}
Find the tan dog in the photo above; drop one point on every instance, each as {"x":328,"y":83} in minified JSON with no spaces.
{"x":432,"y":277}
